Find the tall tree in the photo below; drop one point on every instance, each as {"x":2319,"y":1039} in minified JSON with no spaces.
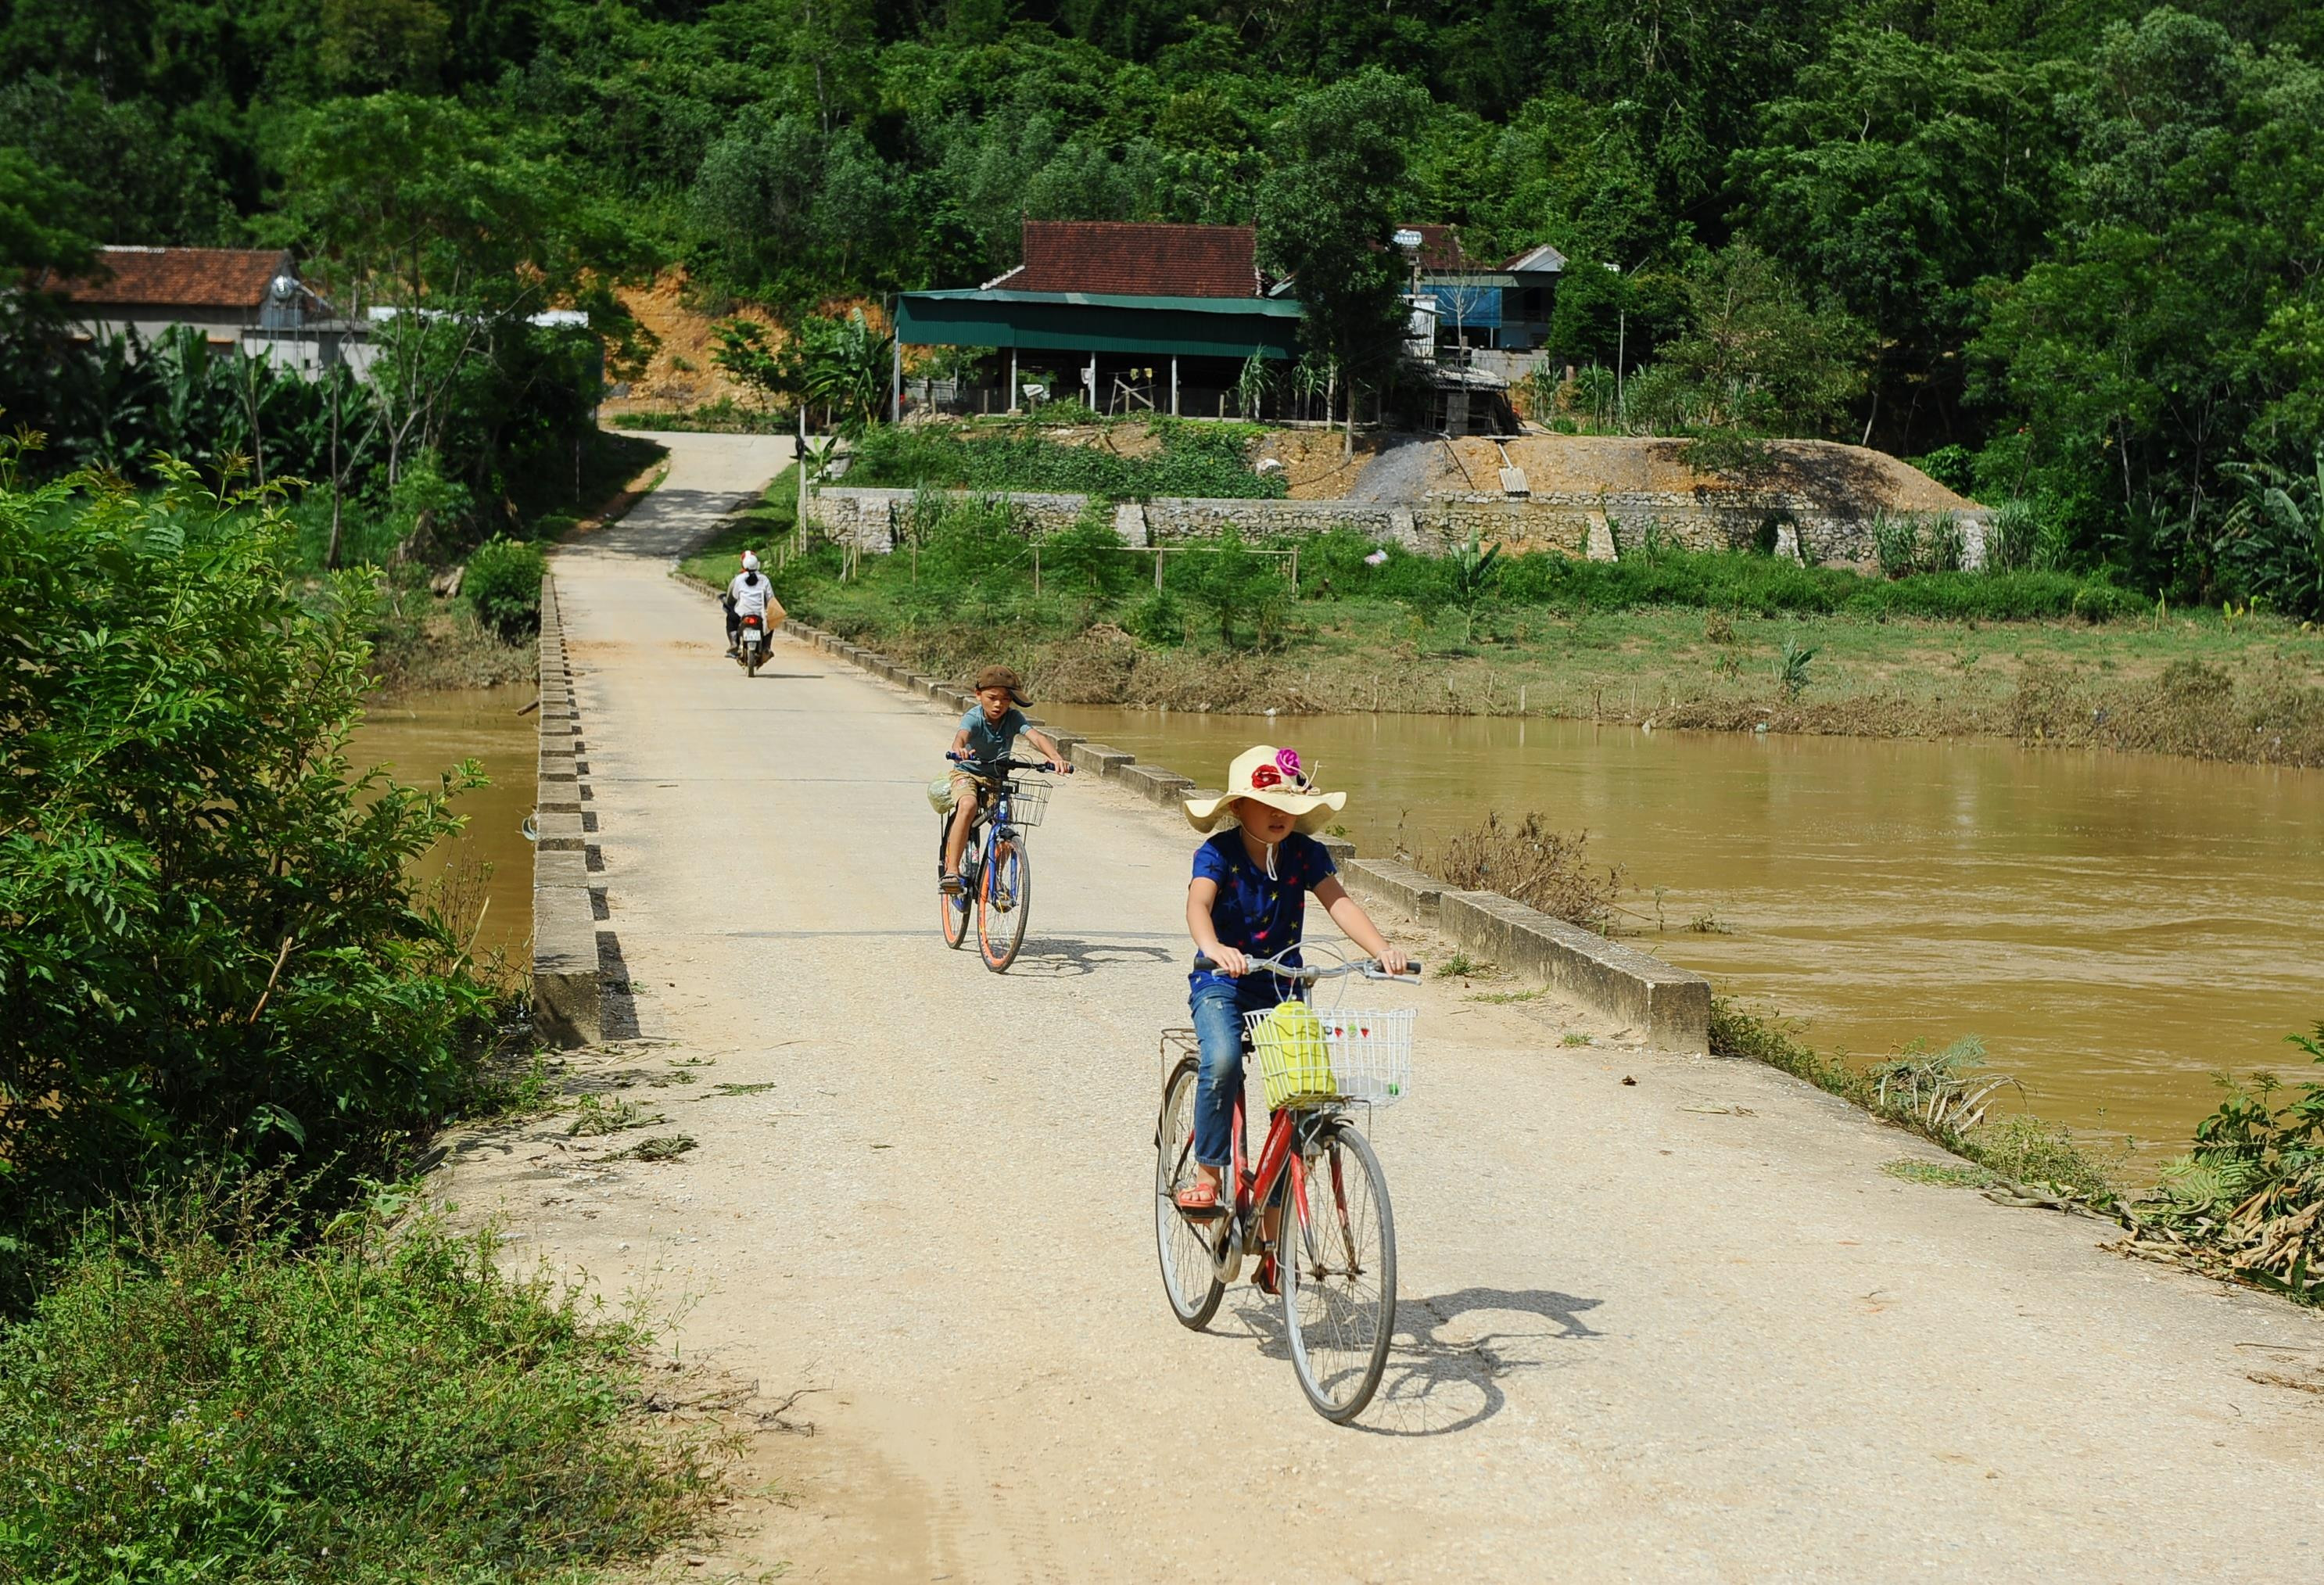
{"x":1327,"y":217}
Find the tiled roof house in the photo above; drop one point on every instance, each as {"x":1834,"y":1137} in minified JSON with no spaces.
{"x":227,"y":291}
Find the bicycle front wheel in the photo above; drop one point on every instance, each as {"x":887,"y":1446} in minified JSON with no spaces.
{"x":1004,"y":894}
{"x":1190,"y":1276}
{"x":1338,"y":1270}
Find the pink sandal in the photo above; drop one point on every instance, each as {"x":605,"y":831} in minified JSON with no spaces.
{"x":1200,"y":1199}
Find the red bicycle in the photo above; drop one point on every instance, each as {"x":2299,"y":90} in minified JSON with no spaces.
{"x":1335,"y":1263}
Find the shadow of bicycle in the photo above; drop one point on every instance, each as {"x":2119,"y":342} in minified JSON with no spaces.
{"x":1450,"y":1354}
{"x":1065,"y":957}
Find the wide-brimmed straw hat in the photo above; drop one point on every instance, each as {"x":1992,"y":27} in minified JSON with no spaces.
{"x":1002,"y":676}
{"x":1270,"y":776}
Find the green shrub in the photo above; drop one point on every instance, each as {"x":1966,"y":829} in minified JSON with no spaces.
{"x":207,"y":941}
{"x":2009,"y":536}
{"x":502,"y":582}
{"x":1158,"y":619}
{"x":196,"y":1397}
{"x":1232,"y":583}
{"x":1087,"y":558}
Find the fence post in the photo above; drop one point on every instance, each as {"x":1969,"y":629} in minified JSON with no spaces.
{"x":1157,"y":569}
{"x":1037,"y":569}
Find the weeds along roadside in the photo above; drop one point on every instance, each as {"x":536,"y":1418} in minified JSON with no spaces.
{"x":214,"y":1390}
{"x":2245,"y":1203}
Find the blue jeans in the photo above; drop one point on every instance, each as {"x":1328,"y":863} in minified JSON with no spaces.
{"x":1218,"y":1028}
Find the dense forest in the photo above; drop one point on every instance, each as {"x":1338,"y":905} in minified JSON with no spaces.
{"x":2067,"y":252}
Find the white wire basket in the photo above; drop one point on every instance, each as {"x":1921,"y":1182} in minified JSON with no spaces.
{"x":1029,"y":800}
{"x":1332,"y":1056}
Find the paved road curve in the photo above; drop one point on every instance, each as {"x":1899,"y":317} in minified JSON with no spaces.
{"x":1684,"y":1328}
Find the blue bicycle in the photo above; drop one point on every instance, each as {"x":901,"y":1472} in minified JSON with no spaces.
{"x":996,"y":877}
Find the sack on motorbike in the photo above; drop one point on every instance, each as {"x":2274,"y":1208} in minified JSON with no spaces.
{"x":1301,"y":1068}
{"x":941,"y":794}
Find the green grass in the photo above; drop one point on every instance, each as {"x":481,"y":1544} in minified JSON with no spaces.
{"x":196,"y":1397}
{"x":1952,"y":1174}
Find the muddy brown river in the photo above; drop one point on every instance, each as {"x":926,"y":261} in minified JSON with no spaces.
{"x":420,"y":736}
{"x":2114,"y":927}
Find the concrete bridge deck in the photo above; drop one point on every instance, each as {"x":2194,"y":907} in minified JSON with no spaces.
{"x":1683,"y":1328}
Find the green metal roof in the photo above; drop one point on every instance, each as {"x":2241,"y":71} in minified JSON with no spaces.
{"x":1087,"y":322}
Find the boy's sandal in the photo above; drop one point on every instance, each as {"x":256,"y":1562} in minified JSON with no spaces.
{"x":1200,"y":1199}
{"x":951,"y":885}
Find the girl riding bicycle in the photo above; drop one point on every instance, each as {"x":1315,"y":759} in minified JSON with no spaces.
{"x":1249,"y":899}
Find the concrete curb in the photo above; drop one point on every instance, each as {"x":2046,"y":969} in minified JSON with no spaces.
{"x":567,"y":997}
{"x":1670,"y":1006}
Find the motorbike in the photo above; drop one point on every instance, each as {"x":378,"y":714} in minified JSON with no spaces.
{"x":751,"y":645}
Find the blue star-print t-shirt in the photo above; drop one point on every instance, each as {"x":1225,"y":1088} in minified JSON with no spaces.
{"x":1254,"y":914}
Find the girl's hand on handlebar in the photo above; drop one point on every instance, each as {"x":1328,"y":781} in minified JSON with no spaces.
{"x":1065,"y":769}
{"x":1234,"y":965}
{"x":1392,"y":958}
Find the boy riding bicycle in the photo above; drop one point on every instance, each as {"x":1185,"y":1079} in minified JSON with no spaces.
{"x":986,"y":734}
{"x":1248,"y":898}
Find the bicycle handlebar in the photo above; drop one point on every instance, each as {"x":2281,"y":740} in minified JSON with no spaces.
{"x":1307,"y":975}
{"x":1002,"y":767}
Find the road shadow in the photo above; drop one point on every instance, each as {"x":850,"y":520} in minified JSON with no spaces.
{"x":1445,"y":1371}
{"x":1066,"y":957}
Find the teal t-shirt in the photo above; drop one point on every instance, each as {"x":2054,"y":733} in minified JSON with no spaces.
{"x":989,"y":741}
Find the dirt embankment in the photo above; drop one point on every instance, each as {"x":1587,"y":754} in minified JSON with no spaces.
{"x":681,"y":371}
{"x":1621,"y":465}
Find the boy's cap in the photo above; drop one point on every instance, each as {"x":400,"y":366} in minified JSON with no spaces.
{"x":1002,"y":676}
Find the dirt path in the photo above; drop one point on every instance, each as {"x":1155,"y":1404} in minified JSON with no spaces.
{"x":1679,"y":1328}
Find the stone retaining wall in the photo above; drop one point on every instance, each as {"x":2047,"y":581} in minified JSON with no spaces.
{"x":1604,"y":527}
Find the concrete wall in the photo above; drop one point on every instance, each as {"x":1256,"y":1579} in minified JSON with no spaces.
{"x":1603,"y":527}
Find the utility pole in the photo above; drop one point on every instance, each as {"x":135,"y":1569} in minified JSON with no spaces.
{"x":1621,"y":354}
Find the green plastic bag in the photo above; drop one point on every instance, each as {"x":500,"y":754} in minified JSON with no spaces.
{"x":1302,"y":1068}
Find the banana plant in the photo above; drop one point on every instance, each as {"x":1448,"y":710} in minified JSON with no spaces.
{"x":2275,"y":533}
{"x":1475,"y":568}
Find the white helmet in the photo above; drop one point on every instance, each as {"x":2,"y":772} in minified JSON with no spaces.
{"x":750,"y":562}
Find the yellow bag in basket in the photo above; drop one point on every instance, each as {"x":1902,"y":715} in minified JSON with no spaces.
{"x":1302,"y":1070}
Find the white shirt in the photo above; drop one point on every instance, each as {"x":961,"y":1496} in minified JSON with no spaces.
{"x":751,"y":598}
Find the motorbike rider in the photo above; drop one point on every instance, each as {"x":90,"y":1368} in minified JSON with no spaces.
{"x":750,"y":594}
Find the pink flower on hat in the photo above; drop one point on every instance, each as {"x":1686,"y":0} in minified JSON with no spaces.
{"x":1287,"y":761}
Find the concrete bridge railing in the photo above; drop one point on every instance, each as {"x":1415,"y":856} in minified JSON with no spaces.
{"x":567,"y":1001}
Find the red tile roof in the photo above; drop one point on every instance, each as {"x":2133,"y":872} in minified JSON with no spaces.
{"x":1124,"y":259}
{"x":184,"y":277}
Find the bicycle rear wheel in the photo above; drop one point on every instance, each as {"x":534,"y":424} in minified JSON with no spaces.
{"x":1004,"y":894}
{"x":1338,"y":1270}
{"x":1190,"y":1276}
{"x":952,"y":912}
